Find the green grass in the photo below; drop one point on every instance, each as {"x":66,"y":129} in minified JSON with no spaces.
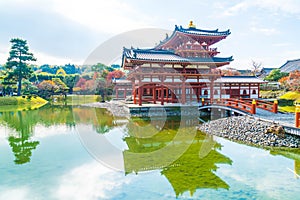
{"x":21,"y":103}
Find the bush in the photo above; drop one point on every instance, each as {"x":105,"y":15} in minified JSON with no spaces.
{"x":8,"y":101}
{"x":285,"y":102}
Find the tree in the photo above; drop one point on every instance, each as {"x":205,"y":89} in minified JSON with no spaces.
{"x":275,"y":75}
{"x":70,"y":81}
{"x":291,"y":82}
{"x":16,"y":66}
{"x":256,"y":67}
{"x":61,"y":87}
{"x":47,"y":88}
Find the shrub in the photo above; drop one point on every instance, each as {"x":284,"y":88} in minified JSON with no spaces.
{"x":8,"y":101}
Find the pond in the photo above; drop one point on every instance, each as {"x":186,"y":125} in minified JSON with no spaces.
{"x":65,"y":152}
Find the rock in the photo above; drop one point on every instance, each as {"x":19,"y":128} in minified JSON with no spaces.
{"x":250,"y":131}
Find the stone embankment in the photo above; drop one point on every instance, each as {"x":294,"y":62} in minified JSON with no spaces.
{"x":249,"y":130}
{"x":116,"y":108}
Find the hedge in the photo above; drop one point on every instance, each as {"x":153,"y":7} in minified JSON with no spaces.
{"x":8,"y":101}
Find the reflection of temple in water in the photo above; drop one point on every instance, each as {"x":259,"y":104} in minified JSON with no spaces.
{"x":176,"y":152}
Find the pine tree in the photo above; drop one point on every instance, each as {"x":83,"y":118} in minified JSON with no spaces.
{"x":16,"y":66}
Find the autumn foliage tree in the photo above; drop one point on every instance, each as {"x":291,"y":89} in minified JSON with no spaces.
{"x":291,"y":82}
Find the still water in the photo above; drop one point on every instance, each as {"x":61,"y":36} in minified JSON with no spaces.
{"x":64,"y":152}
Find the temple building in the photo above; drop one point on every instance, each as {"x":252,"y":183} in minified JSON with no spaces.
{"x":183,"y":68}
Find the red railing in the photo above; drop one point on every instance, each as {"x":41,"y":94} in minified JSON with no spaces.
{"x":247,"y":105}
{"x":265,"y":105}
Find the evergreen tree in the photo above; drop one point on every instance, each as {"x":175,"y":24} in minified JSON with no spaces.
{"x":16,"y":66}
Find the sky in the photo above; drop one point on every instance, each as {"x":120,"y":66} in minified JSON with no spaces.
{"x":68,"y":31}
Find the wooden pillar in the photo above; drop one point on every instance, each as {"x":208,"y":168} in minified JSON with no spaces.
{"x":191,"y":93}
{"x":140,"y":91}
{"x":154,"y":94}
{"x":183,"y":93}
{"x":117,"y":92}
{"x":297,"y":116}
{"x":258,"y":88}
{"x":230,"y":90}
{"x":173,"y":95}
{"x":211,"y":91}
{"x":275,"y":106}
{"x":162,"y":94}
{"x":253,"y":108}
{"x":134,"y":96}
{"x":220,"y":91}
{"x":197,"y":94}
{"x":249,"y":90}
{"x":125,"y":92}
{"x":167,"y":94}
{"x":239,"y":90}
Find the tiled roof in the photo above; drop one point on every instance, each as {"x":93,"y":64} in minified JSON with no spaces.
{"x":166,"y":55}
{"x":290,"y":65}
{"x":196,"y":31}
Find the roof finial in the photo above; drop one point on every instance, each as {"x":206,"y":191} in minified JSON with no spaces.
{"x":191,"y":25}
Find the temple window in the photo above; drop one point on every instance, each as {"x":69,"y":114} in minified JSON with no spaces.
{"x":205,"y":92}
{"x":244,"y":92}
{"x":253,"y":91}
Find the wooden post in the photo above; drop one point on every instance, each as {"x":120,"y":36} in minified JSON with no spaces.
{"x":253,"y":108}
{"x":134,"y":96}
{"x":154,"y":94}
{"x":183,"y":93}
{"x":117,"y":92}
{"x":140,"y":90}
{"x":275,"y":106}
{"x":211,"y":91}
{"x":297,"y":116}
{"x":125,"y":92}
{"x":173,"y":95}
{"x":162,"y":95}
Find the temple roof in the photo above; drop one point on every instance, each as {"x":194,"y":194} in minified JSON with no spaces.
{"x":290,"y":65}
{"x":208,"y":36}
{"x":195,"y":31}
{"x":159,"y":55}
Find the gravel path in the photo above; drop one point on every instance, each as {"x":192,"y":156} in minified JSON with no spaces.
{"x":248,"y":130}
{"x":116,"y":108}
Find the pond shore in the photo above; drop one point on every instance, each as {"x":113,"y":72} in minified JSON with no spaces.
{"x":116,"y":108}
{"x":248,"y":130}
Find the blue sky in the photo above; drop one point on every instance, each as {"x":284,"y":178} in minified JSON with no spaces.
{"x":67,"y":31}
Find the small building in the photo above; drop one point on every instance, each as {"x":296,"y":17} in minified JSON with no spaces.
{"x":290,"y":66}
{"x":184,"y":68}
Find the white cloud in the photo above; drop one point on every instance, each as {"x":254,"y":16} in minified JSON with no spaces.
{"x":264,"y":31}
{"x":43,"y":58}
{"x":90,"y":181}
{"x":15,"y":193}
{"x":237,"y":8}
{"x":275,"y":7}
{"x":104,"y":16}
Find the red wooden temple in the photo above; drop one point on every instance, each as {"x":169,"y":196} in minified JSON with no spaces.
{"x":183,"y":68}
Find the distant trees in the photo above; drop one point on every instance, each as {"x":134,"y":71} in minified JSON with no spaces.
{"x":275,"y":75}
{"x":16,"y":67}
{"x":230,"y":72}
